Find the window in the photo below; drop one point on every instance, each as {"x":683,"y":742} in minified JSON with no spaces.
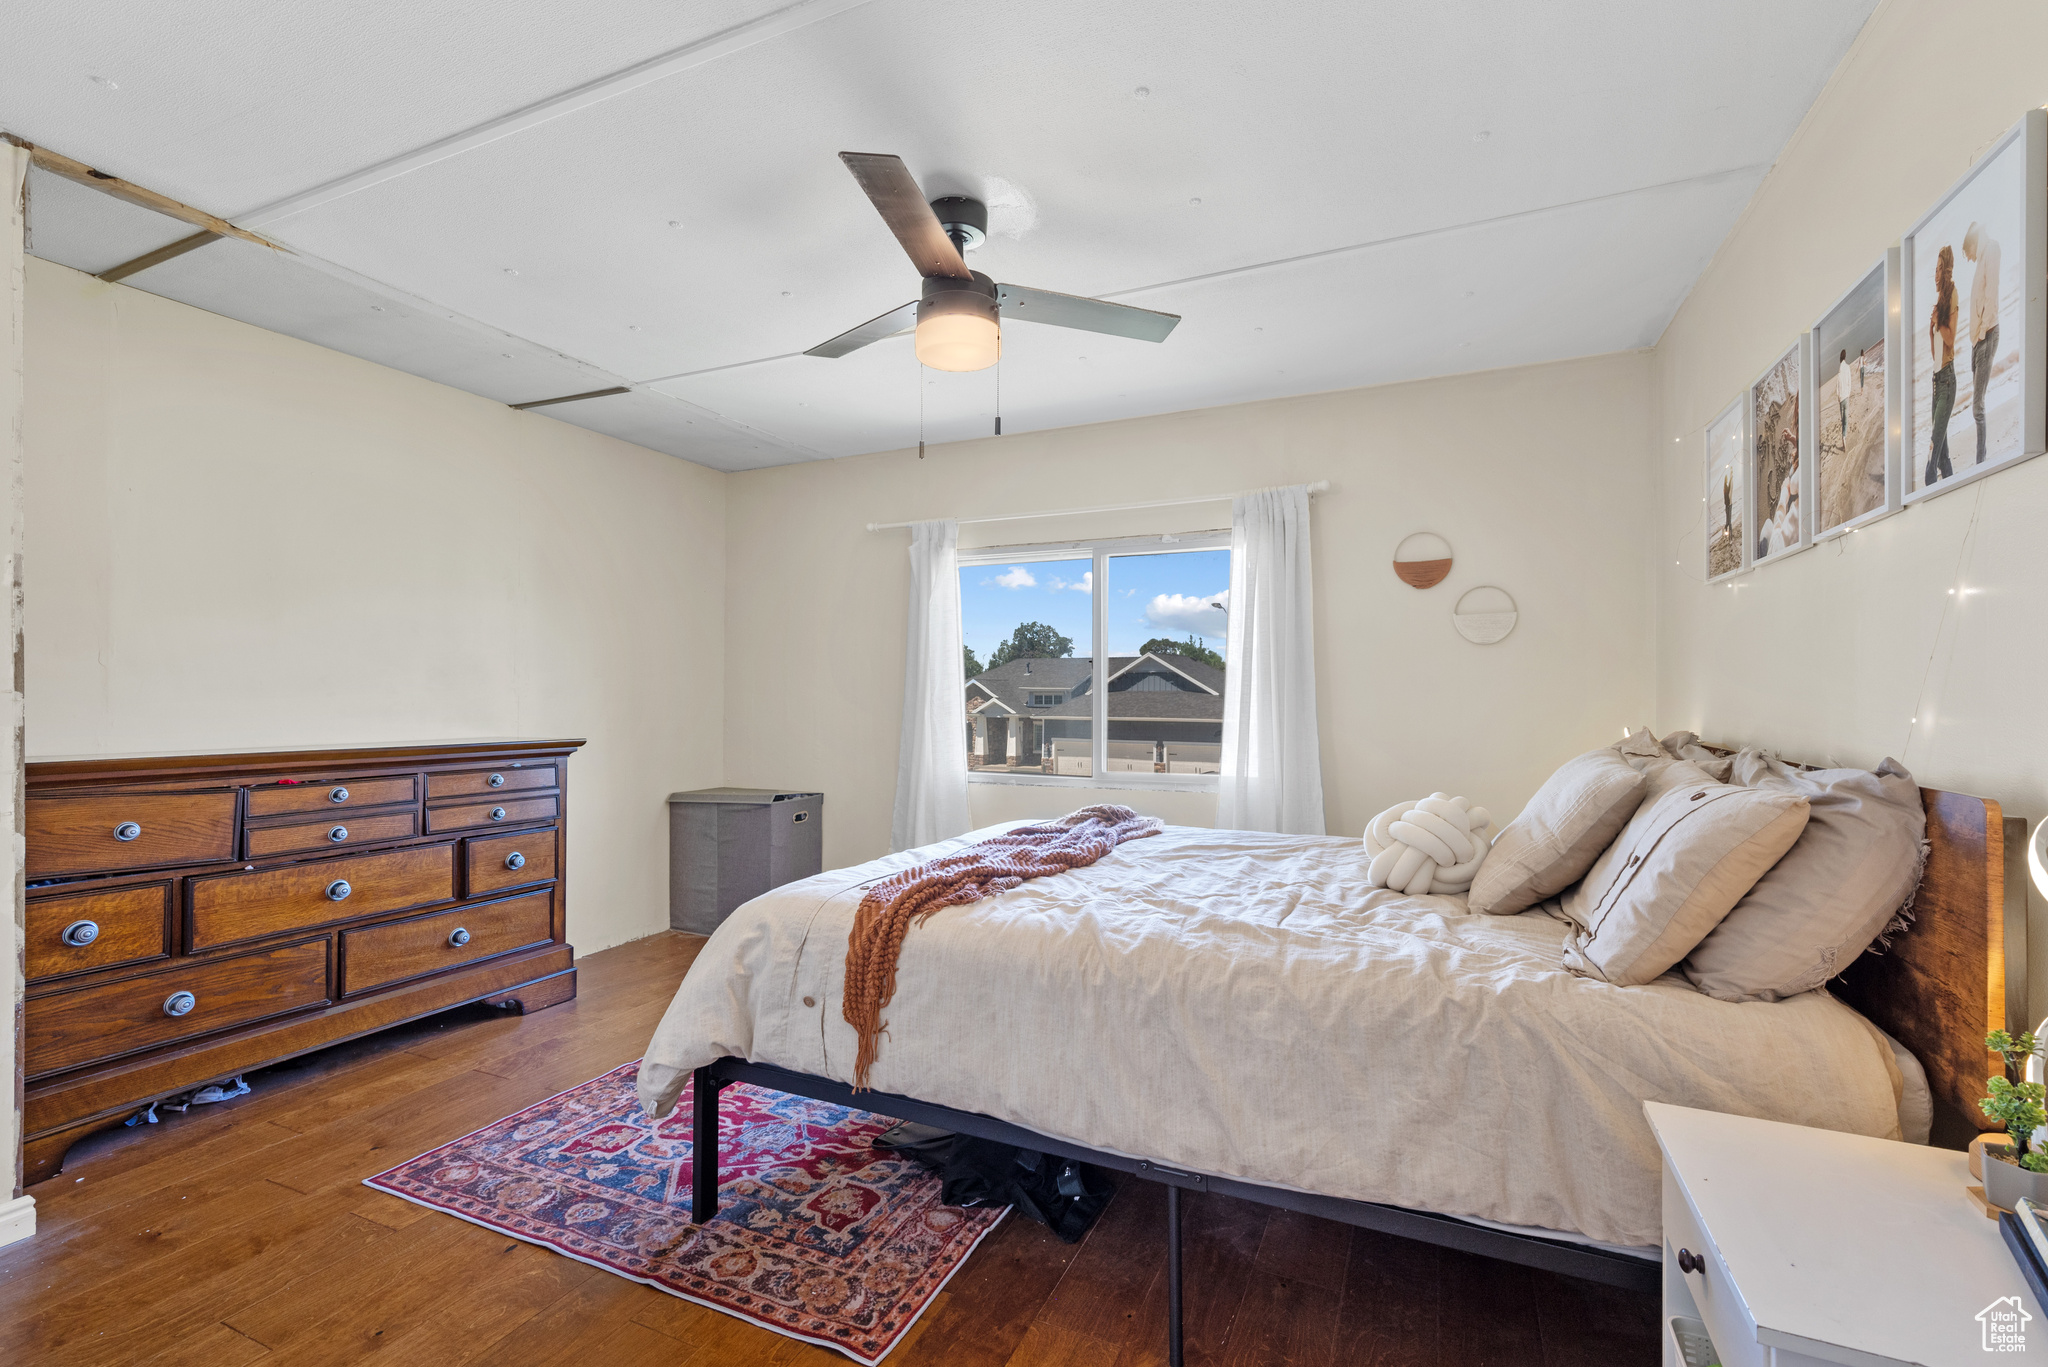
{"x":1099,"y":663}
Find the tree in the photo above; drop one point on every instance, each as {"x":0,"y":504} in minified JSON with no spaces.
{"x":1031,"y":641}
{"x":1190,"y":649}
{"x":972,"y":665}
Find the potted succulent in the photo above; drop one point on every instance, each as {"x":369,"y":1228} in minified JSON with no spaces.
{"x":2021,"y":1168}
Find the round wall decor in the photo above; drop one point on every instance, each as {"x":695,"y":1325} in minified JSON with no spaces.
{"x":1485,"y":615}
{"x":1422,"y":560}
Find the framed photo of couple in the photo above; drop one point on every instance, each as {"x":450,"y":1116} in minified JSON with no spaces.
{"x":1780,"y":429}
{"x":1975,"y":318}
{"x":1727,"y":463}
{"x":1856,"y":430}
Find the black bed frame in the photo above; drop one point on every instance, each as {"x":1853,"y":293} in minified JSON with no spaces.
{"x":1554,"y":1255}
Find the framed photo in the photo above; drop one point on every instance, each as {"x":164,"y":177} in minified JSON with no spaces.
{"x":1727,"y":458}
{"x":1779,"y":481}
{"x":1855,"y":445}
{"x":1974,"y":319}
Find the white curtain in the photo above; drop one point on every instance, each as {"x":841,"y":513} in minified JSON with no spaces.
{"x":931,"y":768}
{"x":1272,"y":770}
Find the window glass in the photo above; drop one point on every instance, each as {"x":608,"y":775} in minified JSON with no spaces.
{"x":1027,"y":629}
{"x":1169,"y":615}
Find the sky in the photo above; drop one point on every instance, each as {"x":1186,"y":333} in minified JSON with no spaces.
{"x":1150,"y":595}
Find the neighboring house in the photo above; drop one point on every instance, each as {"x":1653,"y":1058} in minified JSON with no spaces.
{"x":1036,"y":715}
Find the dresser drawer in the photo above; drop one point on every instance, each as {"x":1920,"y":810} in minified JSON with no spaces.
{"x":282,"y":799}
{"x":243,"y":906}
{"x":127,"y":831}
{"x":509,"y":861}
{"x":87,"y":930}
{"x":89,"y":1024}
{"x":334,"y":832}
{"x":504,"y":813}
{"x":379,"y":955}
{"x":488,"y":782}
{"x":1713,"y":1290}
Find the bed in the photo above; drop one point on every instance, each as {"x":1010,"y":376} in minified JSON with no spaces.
{"x":1240,"y":1013}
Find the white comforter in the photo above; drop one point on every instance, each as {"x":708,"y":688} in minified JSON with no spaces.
{"x":1244,"y":1005}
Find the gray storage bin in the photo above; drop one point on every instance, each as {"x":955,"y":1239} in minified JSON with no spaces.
{"x":729,"y":845}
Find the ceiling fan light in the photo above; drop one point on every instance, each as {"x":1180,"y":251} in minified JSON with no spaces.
{"x":958,"y":325}
{"x":959,"y":341}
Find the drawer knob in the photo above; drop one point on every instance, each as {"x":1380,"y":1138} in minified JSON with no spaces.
{"x":514,"y":860}
{"x":338,"y":834}
{"x":496,"y":780}
{"x":459,"y":937}
{"x":497,"y":813}
{"x":81,"y":933}
{"x":338,"y":795}
{"x":179,"y":1003}
{"x":1689,"y":1261}
{"x":127,"y":830}
{"x":338,"y":890}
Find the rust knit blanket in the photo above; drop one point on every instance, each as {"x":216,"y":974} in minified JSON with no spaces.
{"x":985,"y":868}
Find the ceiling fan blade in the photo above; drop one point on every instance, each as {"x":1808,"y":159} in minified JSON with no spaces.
{"x":902,"y":205}
{"x":873,"y":330}
{"x":1090,"y":315}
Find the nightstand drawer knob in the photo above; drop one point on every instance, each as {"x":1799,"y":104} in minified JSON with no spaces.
{"x":79,"y":934}
{"x":338,"y":890}
{"x":179,"y":1004}
{"x":459,"y":937}
{"x":515,"y":860}
{"x":1688,"y":1261}
{"x":338,"y":834}
{"x":496,"y":780}
{"x":497,"y":813}
{"x":338,"y":795}
{"x":127,"y":830}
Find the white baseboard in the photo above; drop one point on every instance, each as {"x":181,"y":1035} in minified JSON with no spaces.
{"x":17,"y":1220}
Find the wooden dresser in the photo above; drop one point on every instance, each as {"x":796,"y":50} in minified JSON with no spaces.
{"x":190,"y":917}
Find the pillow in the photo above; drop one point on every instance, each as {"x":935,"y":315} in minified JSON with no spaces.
{"x":1682,"y":863}
{"x":1856,"y":866}
{"x":1686,"y":746}
{"x":1639,"y":747}
{"x":1575,"y":814}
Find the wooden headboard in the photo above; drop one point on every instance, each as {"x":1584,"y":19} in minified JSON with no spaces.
{"x":1943,"y":984}
{"x":1960,"y":971}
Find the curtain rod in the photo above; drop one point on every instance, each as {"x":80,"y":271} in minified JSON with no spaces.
{"x":1321,"y":486}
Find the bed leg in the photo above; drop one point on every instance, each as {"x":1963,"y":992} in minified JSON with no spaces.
{"x":1173,"y":1276}
{"x":703,"y":1146}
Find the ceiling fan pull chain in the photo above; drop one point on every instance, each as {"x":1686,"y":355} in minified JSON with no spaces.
{"x":920,"y":410}
{"x":999,"y":394}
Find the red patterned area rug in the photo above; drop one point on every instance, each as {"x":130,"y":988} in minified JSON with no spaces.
{"x":818,"y":1235}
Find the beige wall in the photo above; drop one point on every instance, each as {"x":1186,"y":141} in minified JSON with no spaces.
{"x":239,"y":539}
{"x":17,"y":1212}
{"x":1536,"y":477}
{"x":1833,"y":653}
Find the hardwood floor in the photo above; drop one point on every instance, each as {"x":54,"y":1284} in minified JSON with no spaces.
{"x":240,"y":1233}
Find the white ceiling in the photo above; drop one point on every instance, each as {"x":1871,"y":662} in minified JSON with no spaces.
{"x":1386,"y":191}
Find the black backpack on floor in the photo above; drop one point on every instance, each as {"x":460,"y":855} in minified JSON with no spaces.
{"x":1063,"y":1195}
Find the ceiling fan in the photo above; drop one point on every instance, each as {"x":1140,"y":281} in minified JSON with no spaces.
{"x":959,"y":317}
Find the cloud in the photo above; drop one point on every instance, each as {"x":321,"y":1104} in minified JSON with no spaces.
{"x":1016,"y":577}
{"x":1085,"y":584}
{"x":1204,"y":615}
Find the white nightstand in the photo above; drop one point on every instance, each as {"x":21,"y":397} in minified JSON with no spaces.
{"x":1807,"y":1246}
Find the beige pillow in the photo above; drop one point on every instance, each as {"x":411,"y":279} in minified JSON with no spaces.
{"x":1854,"y":868}
{"x":1686,"y":745}
{"x":1574,"y":815}
{"x":1683,"y":862}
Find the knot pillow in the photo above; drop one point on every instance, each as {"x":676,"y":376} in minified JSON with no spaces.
{"x":1431,"y":846}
